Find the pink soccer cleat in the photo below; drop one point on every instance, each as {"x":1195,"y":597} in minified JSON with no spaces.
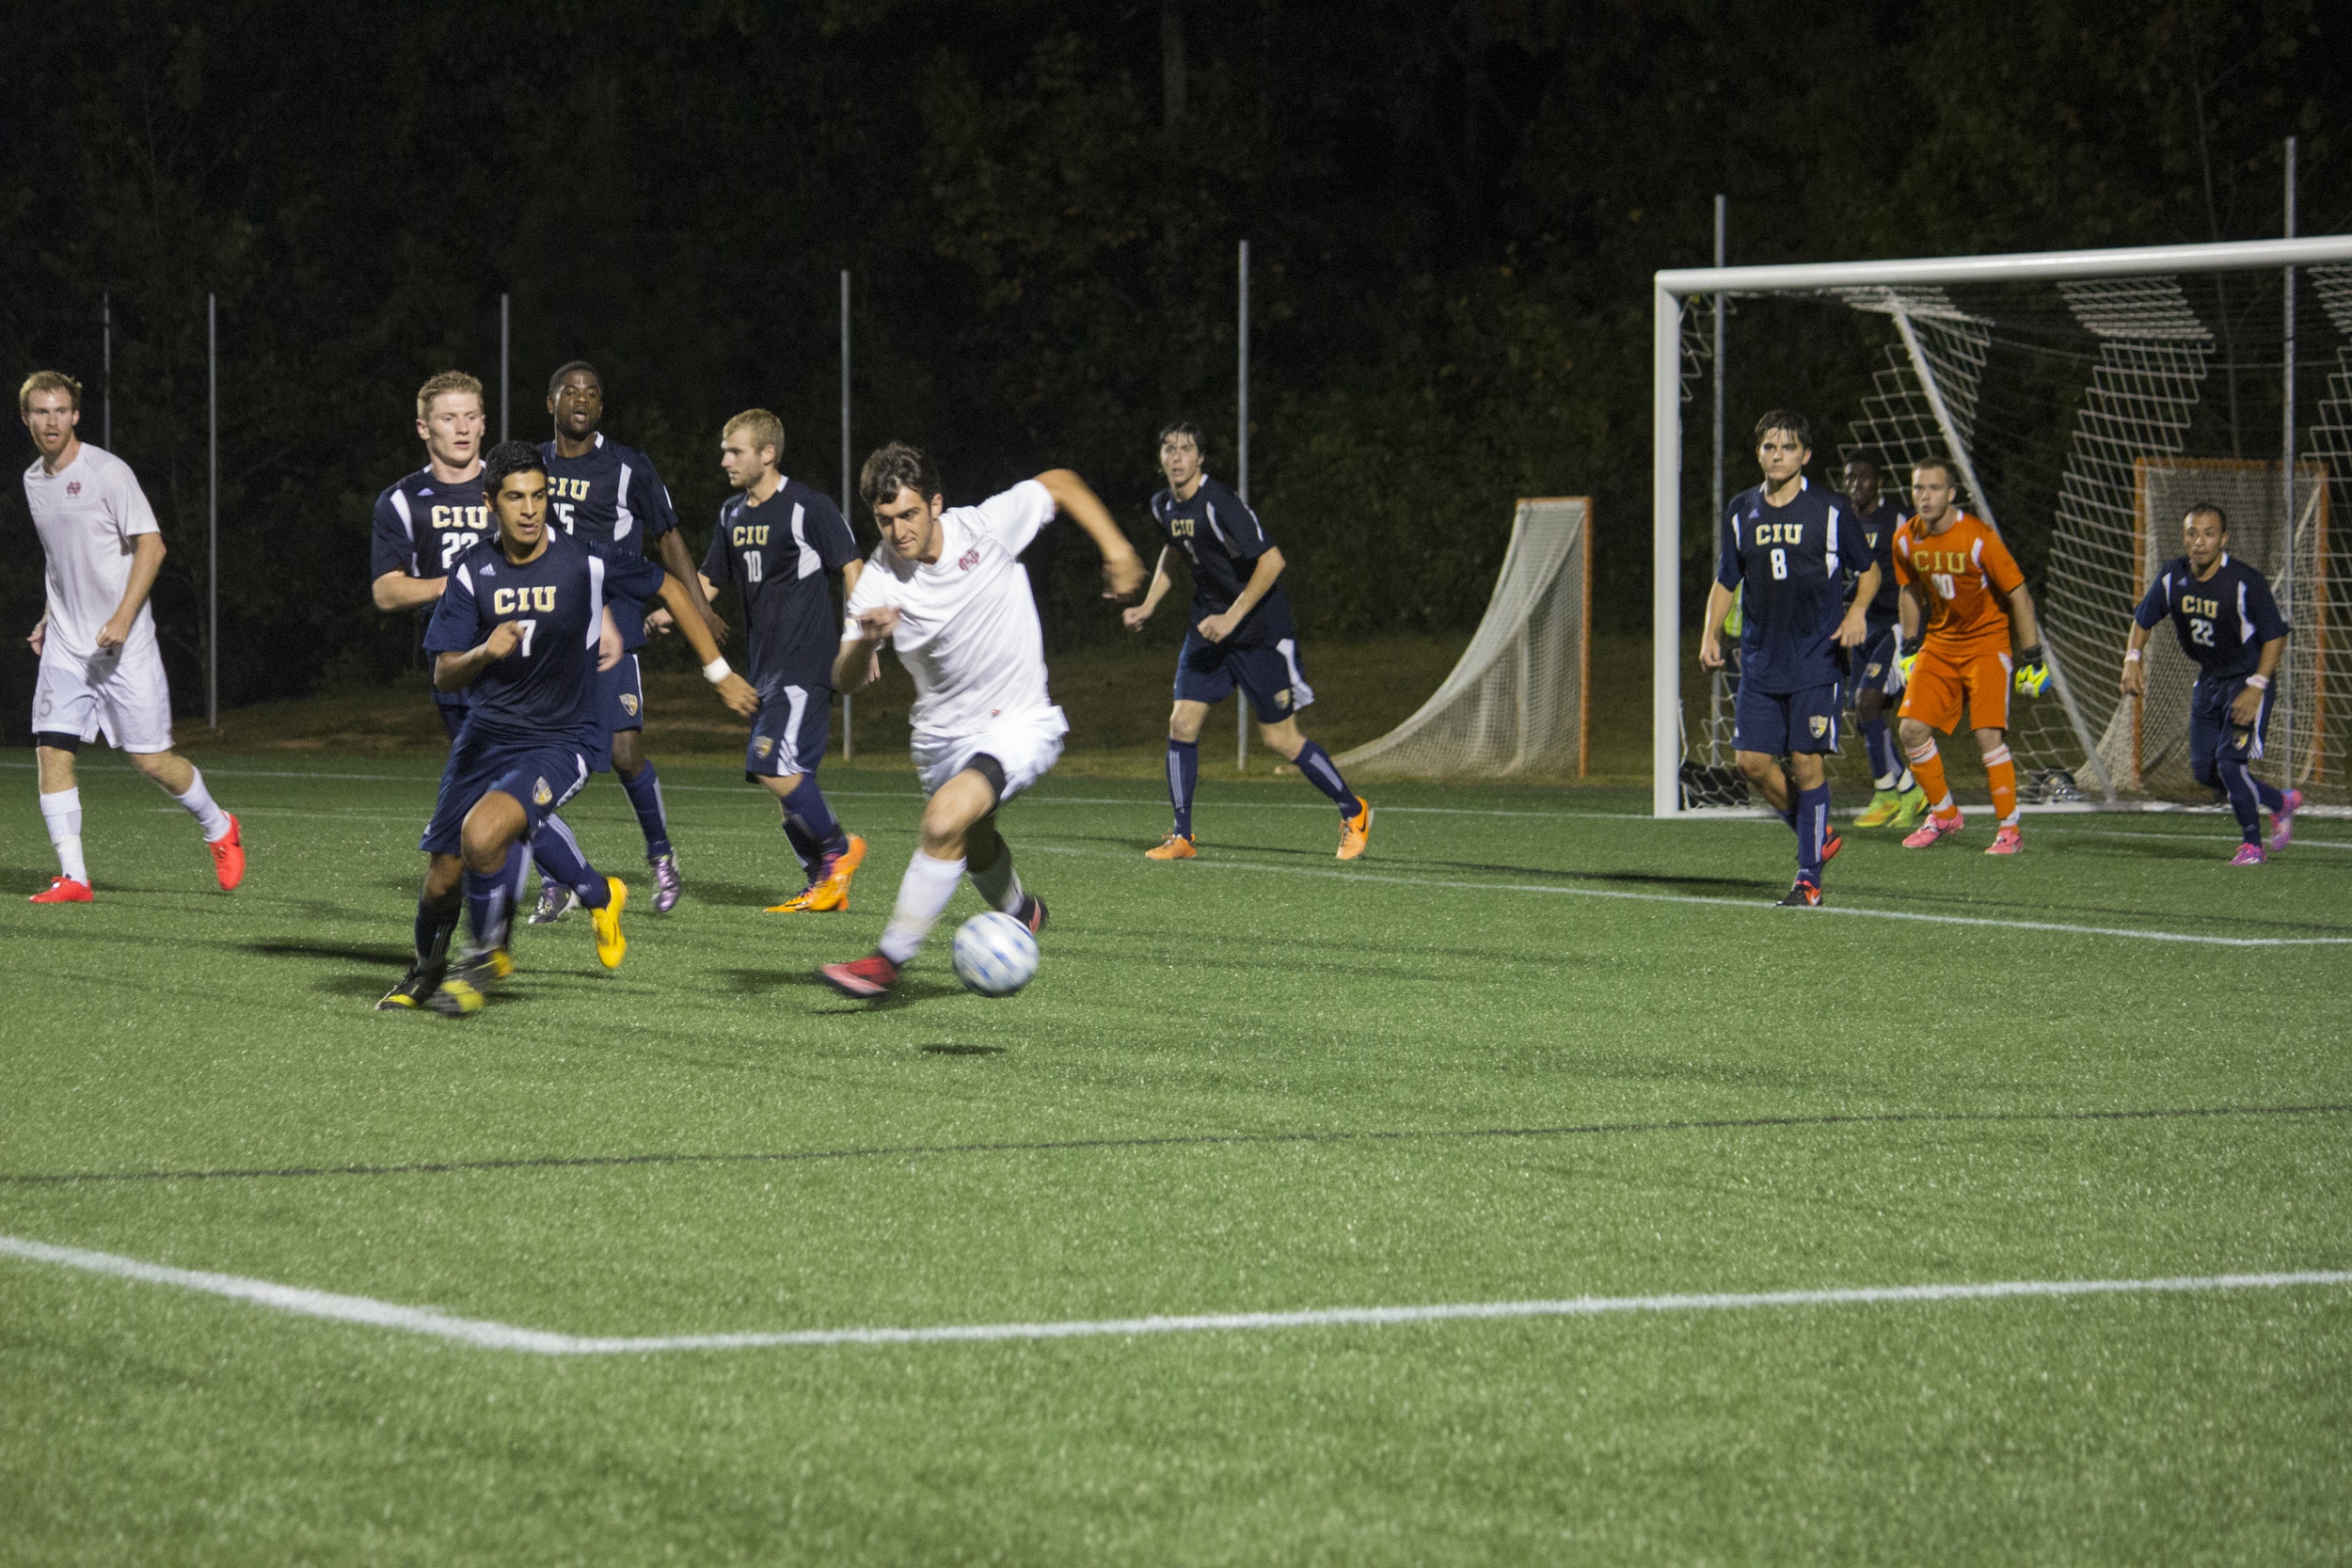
{"x":2008,"y":841}
{"x":2282,"y":820}
{"x":865,"y":978}
{"x":1933,"y":830}
{"x":228,"y":856}
{"x":2249,"y":854}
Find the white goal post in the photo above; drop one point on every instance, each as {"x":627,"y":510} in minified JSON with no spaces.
{"x":1897,"y":289}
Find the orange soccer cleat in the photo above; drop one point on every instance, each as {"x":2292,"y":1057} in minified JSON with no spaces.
{"x":63,"y":890}
{"x":828,"y":891}
{"x":1175,"y":847}
{"x":1356,"y":832}
{"x":228,"y":856}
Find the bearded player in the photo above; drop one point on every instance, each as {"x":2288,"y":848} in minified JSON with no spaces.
{"x":2228,"y":622}
{"x":101,"y":669}
{"x":519,"y":626}
{"x":777,"y":542}
{"x":1960,"y":583}
{"x":947,"y":589}
{"x":1785,"y":550}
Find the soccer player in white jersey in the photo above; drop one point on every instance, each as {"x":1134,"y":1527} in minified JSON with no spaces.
{"x":101,"y":670}
{"x":948,"y":590}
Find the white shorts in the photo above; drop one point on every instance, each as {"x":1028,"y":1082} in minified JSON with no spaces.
{"x":1026,"y":746}
{"x":122,"y":694}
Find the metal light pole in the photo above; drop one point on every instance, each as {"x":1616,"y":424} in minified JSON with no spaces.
{"x":1241,"y":475}
{"x":848,"y":486}
{"x":212,"y":522}
{"x":107,"y":369}
{"x":506,"y":359}
{"x":1722,"y":208}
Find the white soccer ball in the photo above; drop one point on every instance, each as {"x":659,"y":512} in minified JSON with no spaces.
{"x":994,"y":953}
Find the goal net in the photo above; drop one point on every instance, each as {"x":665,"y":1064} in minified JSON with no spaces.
{"x":1518,"y":701}
{"x":2088,"y":400}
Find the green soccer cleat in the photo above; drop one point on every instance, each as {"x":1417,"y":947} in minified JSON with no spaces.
{"x":1915,"y":806}
{"x":1883,"y":807}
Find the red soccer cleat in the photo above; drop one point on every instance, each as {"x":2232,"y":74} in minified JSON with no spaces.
{"x":1831,"y":845}
{"x":865,"y":979}
{"x":228,"y":856}
{"x":63,"y":890}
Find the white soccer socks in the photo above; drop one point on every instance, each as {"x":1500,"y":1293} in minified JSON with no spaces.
{"x":923,"y":895}
{"x":197,"y":801}
{"x":999,"y":883}
{"x":62,"y":814}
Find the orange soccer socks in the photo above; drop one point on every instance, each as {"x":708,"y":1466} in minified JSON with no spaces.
{"x":1927,"y":766}
{"x":2000,"y":771}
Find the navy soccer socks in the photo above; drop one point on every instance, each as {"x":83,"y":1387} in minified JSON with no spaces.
{"x":1183,"y":773}
{"x":2248,"y":799}
{"x":645,"y":797}
{"x":1812,"y":832}
{"x":1316,"y":767}
{"x":810,"y":822}
{"x":437,"y":924}
{"x":558,"y":856}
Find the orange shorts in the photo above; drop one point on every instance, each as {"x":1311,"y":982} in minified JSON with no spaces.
{"x":1943,"y":676}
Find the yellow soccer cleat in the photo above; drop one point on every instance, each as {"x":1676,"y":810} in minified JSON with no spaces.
{"x":829,"y":891}
{"x":1883,"y":808}
{"x":611,"y":944}
{"x":1914,"y":806}
{"x":1357,"y":831}
{"x":499,"y":962}
{"x":457,"y":997}
{"x":1175,"y":847}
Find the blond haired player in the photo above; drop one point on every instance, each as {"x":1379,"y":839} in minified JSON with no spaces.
{"x":948,"y":591}
{"x":1960,"y":579}
{"x":101,"y":669}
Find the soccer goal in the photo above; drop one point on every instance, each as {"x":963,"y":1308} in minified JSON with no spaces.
{"x":1520,"y":699}
{"x":2087,"y":399}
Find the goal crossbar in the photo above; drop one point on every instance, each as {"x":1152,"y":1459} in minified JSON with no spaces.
{"x":1673,"y":286}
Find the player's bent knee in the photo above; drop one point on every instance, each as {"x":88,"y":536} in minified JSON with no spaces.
{"x":1184,"y":721}
{"x":1757,"y":764}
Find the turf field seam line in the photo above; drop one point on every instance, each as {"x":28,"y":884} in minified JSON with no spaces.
{"x":2193,"y":938}
{"x":1196,"y":1140}
{"x":490,"y":1335}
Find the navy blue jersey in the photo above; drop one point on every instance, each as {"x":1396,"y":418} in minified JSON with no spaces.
{"x":1876,"y":532}
{"x":1790,"y":560}
{"x":612,"y":501}
{"x":2222,"y":621}
{"x":778,"y":553}
{"x":547,"y":685}
{"x":1222,"y":539}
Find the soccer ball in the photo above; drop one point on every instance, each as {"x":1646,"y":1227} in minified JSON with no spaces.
{"x":994,"y":953}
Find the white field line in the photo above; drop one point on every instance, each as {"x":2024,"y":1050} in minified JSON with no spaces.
{"x":497,"y":1336}
{"x":1922,"y":917}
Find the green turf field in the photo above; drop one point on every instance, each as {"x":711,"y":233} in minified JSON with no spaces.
{"x":1534,"y":1047}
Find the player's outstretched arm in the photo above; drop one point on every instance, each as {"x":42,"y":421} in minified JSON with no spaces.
{"x":734,"y":690}
{"x":675,"y":560}
{"x":147,"y":560}
{"x":1122,"y":569}
{"x":1711,"y":640}
{"x":455,"y":672}
{"x":399,"y":590}
{"x":1133,"y":616}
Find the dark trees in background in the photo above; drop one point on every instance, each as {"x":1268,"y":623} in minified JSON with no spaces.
{"x":1454,"y":211}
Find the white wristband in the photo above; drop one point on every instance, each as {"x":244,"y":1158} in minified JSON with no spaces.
{"x":716,"y":671}
{"x":2260,"y":683}
{"x":2131,"y":656}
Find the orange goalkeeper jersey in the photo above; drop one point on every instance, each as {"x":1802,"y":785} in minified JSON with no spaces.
{"x":1966,"y":575}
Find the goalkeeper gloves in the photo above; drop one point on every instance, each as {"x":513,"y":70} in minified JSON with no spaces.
{"x":2033,"y":671}
{"x":1904,"y":662}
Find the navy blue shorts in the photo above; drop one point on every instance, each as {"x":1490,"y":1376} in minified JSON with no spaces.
{"x":791,"y":732}
{"x":1872,"y":665}
{"x":620,"y":704}
{"x":1273,"y":677}
{"x":2212,"y":739}
{"x":1775,"y":722}
{"x":540,"y":773}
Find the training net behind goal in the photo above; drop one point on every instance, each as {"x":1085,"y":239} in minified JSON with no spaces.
{"x":2086,"y":417}
{"x":1517,"y":702}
